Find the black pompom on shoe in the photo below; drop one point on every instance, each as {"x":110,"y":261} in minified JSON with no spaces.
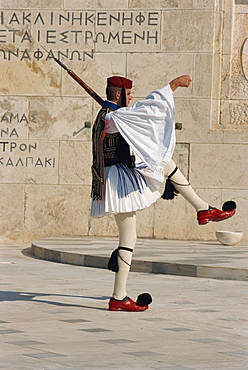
{"x":144,"y":299}
{"x":230,"y":205}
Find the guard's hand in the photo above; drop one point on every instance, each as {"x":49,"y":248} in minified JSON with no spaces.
{"x":181,"y":81}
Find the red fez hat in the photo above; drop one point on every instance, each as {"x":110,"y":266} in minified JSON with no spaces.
{"x":117,"y":81}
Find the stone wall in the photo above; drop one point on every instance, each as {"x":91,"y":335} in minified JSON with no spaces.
{"x":45,"y":148}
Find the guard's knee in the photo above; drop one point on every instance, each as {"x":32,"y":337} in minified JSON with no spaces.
{"x":169,"y":168}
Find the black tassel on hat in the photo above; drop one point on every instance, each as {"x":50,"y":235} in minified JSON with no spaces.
{"x":123,"y":97}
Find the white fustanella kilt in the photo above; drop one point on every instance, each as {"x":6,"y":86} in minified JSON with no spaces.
{"x":125,"y":190}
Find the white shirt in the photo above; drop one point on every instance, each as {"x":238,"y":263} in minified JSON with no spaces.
{"x":148,"y":128}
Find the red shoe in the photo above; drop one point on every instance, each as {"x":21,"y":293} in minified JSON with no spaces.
{"x":213,"y":214}
{"x":126,"y":304}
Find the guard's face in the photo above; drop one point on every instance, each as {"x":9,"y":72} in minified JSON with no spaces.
{"x":128,"y":96}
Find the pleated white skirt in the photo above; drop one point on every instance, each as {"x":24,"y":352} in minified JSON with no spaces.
{"x":125,"y":190}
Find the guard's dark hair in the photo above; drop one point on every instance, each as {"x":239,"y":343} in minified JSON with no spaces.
{"x":110,"y":92}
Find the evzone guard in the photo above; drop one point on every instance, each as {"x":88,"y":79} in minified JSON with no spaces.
{"x":132,"y":151}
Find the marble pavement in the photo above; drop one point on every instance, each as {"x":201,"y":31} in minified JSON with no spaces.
{"x":54,"y":315}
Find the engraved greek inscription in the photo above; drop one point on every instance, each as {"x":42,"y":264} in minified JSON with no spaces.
{"x":6,"y":146}
{"x":75,"y":52}
{"x":102,"y":37}
{"x":13,"y":133}
{"x":101,"y":19}
{"x":153,"y":19}
{"x":65,"y":37}
{"x":39,"y":55}
{"x":22,"y":19}
{"x":26,"y":37}
{"x":88,"y":19}
{"x":38,"y":163}
{"x":114,"y":37}
{"x":50,"y":55}
{"x":3,"y":54}
{"x":14,"y":19}
{"x":152,"y":37}
{"x":126,"y":38}
{"x":33,"y":117}
{"x":19,"y":162}
{"x":25,"y":55}
{"x":24,"y":119}
{"x":5,"y":118}
{"x":18,"y":118}
{"x":26,"y":18}
{"x":113,"y":18}
{"x":137,"y":37}
{"x":3,"y":36}
{"x":14,"y":117}
{"x":79,"y":29}
{"x":9,"y":133}
{"x":76,"y":36}
{"x":61,"y":17}
{"x":13,"y":146}
{"x":50,"y":37}
{"x":9,"y":162}
{"x":79,"y":18}
{"x":39,"y":19}
{"x":88,"y":36}
{"x":28,"y":162}
{"x":128,"y":18}
{"x":140,"y":18}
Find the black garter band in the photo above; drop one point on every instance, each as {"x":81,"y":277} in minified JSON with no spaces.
{"x":113,"y":261}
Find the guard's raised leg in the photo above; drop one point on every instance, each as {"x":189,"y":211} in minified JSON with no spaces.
{"x":177,"y":183}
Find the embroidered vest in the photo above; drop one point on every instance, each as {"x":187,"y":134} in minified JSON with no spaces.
{"x":108,"y":149}
{"x":116,"y":151}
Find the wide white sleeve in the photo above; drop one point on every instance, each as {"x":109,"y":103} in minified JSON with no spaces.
{"x":148,"y":127}
{"x":110,"y":126}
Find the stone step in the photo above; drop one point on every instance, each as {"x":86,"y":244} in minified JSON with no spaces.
{"x":173,"y":257}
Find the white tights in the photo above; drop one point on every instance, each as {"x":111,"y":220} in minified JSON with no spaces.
{"x":126,"y":223}
{"x":184,"y":188}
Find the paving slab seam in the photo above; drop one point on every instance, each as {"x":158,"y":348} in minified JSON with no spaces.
{"x":54,"y":254}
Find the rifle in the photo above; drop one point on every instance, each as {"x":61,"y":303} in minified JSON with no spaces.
{"x":88,"y":89}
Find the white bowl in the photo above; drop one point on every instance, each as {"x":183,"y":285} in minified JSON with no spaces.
{"x":229,"y":237}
